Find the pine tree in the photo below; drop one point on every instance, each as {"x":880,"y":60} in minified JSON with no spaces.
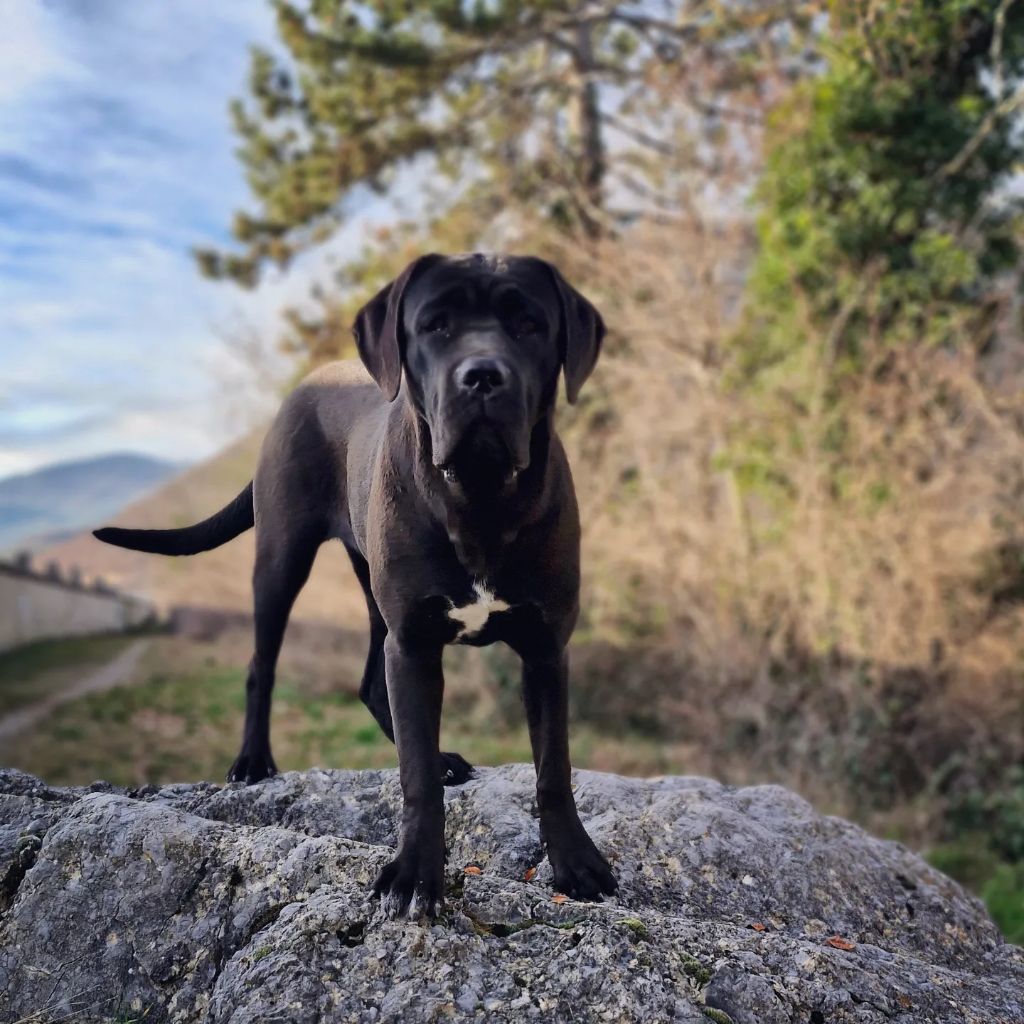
{"x":567,"y":108}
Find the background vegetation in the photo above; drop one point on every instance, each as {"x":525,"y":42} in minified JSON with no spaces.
{"x":801,"y":461}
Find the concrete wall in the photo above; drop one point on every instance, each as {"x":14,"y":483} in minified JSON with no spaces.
{"x":35,"y":607}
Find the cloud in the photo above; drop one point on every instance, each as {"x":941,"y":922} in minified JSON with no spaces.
{"x":115,"y":159}
{"x":27,"y":54}
{"x":34,"y":421}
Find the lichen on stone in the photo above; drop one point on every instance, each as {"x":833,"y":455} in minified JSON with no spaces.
{"x":234,"y":905}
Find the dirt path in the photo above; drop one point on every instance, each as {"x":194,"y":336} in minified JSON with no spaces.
{"x":106,"y":677}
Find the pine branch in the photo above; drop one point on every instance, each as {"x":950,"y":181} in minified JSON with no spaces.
{"x":1008,"y":107}
{"x":639,"y":136}
{"x":996,"y":51}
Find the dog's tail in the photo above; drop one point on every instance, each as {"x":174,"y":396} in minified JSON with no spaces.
{"x":235,"y":518}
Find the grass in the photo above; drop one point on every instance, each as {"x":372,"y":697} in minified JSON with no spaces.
{"x":34,"y":672}
{"x":1000,"y":884}
{"x":177,"y":727}
{"x":185,"y":725}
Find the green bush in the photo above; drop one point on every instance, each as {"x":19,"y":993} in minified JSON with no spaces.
{"x":1003,"y":894}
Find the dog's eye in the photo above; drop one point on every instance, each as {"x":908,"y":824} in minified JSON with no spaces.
{"x":435,"y":324}
{"x":528,"y":325}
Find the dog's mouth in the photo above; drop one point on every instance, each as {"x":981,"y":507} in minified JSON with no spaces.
{"x":482,"y":457}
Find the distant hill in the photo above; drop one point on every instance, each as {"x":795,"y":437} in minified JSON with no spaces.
{"x":56,"y":501}
{"x":220,"y":578}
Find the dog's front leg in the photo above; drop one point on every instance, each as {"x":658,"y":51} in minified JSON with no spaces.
{"x":414,"y":880}
{"x":579,"y":869}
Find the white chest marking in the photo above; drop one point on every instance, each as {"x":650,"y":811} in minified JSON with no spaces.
{"x":473,"y":617}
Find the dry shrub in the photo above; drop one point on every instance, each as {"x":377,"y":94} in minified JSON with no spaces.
{"x":865,"y":641}
{"x":862,"y":642}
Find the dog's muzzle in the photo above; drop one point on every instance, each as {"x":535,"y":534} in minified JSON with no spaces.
{"x":480,"y":432}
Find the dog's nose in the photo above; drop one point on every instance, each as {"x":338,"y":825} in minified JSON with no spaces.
{"x":481,"y":376}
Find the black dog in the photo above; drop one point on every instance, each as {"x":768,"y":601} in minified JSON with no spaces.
{"x":457,"y":508}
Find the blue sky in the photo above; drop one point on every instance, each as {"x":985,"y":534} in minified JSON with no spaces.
{"x":115,"y":159}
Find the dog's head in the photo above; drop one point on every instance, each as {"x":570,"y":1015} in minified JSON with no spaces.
{"x":481,"y":340}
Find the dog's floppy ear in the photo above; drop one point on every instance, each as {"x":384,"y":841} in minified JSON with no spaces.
{"x":581,"y":335}
{"x":378,"y":330}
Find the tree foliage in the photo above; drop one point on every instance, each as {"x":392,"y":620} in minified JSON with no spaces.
{"x":886,"y":220}
{"x":556,"y":106}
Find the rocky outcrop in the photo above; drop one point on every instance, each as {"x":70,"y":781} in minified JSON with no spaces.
{"x":226,"y":904}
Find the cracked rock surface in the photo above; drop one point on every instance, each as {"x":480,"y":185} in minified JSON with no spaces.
{"x":232,"y":905}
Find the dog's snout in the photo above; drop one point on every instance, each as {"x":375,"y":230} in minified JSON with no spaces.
{"x":481,"y":376}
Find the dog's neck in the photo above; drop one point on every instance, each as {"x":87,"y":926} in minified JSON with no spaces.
{"x":482,"y":518}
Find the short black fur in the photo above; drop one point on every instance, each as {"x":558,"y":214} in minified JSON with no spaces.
{"x":445,"y":479}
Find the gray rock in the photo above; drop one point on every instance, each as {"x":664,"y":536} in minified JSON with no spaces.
{"x":231,"y":905}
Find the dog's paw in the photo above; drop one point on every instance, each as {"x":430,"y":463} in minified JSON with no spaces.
{"x":455,"y":769}
{"x":580,"y":871}
{"x":408,"y":886}
{"x":250,"y":768}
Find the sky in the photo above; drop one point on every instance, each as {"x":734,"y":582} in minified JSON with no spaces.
{"x":116,"y":159}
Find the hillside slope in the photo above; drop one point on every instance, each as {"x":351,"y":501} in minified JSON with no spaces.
{"x":63,"y":498}
{"x":219,"y":578}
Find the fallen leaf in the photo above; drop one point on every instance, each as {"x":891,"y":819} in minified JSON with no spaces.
{"x":838,"y":942}
{"x":559,"y":898}
{"x":757,"y":926}
{"x":471,"y":869}
{"x":530,"y":874}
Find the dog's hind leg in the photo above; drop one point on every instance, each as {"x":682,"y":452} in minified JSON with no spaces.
{"x":373,"y":690}
{"x":282,"y":567}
